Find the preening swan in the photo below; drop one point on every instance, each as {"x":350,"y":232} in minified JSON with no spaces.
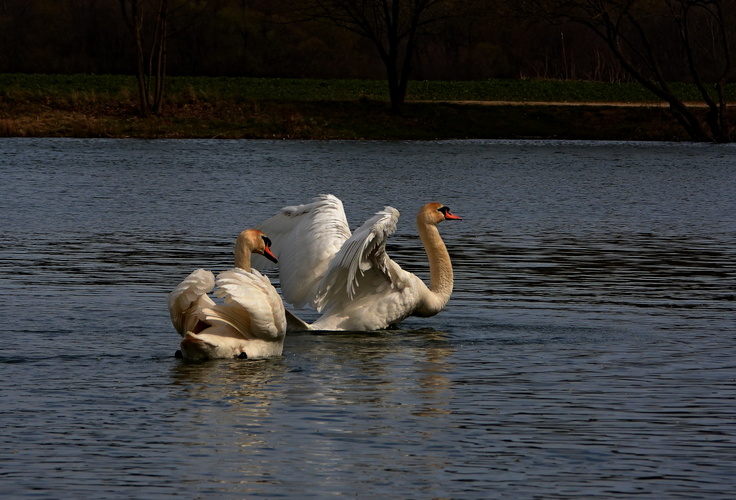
{"x":251,"y":322}
{"x":350,"y":278}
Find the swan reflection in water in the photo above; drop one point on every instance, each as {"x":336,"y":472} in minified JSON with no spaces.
{"x":326,"y":371}
{"x":329,"y":395}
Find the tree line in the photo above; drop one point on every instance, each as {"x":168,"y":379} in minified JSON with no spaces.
{"x":654,"y":42}
{"x":471,"y":39}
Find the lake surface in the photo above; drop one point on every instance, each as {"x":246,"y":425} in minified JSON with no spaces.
{"x":589,"y":349}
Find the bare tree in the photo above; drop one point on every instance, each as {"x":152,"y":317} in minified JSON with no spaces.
{"x":392,"y":26}
{"x":703,"y":31}
{"x":150,"y":49}
{"x":654,"y":40}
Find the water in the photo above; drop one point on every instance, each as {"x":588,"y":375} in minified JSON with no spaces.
{"x":588,"y":350}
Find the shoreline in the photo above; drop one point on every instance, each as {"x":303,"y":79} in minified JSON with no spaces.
{"x":345,"y":120}
{"x":41,"y":105}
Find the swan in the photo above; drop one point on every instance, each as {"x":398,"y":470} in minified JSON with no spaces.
{"x":250,"y":324}
{"x":349,"y":278}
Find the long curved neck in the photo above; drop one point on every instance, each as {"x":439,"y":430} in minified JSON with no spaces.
{"x":440,"y":267}
{"x":242,"y":255}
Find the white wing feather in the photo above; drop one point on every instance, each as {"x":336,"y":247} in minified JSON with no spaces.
{"x":362,"y":259}
{"x":189,"y":298}
{"x":305,"y":239}
{"x":252,"y":305}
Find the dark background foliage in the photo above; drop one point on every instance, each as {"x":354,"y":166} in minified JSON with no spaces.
{"x":479,"y":39}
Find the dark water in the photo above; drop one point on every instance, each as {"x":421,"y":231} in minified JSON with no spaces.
{"x":589,"y":350}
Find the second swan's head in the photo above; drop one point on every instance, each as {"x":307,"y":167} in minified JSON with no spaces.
{"x":434,"y":213}
{"x":257,"y":242}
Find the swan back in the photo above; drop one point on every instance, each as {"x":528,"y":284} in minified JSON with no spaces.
{"x":252,"y":306}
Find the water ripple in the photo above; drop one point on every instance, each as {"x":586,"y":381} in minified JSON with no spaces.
{"x":587,"y":351}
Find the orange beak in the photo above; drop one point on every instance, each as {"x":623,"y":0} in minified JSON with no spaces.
{"x":269,"y":255}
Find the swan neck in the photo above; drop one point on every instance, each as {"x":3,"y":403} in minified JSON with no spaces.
{"x":242,"y":255}
{"x":440,"y":267}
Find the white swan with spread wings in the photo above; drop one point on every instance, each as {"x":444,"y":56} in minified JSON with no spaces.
{"x":349,"y":278}
{"x":251,"y":322}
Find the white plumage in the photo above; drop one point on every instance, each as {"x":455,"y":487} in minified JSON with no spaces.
{"x":250,"y":323}
{"x":349,"y":277}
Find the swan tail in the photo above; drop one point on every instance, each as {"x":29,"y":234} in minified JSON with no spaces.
{"x":253,"y":306}
{"x":237,"y":319}
{"x":295,"y":324}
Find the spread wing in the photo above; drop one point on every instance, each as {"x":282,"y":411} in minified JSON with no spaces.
{"x":189,"y":298}
{"x":362,"y":265}
{"x":305,"y":239}
{"x":252,"y":305}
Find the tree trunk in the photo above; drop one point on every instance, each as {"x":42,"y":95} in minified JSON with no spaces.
{"x":391,"y":26}
{"x":158,"y":54}
{"x":150,"y":77}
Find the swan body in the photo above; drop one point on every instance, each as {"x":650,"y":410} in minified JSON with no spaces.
{"x":251,"y":323}
{"x":350,"y":278}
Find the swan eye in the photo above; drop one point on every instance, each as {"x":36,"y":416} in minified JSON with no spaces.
{"x":445,"y":211}
{"x":267,"y":241}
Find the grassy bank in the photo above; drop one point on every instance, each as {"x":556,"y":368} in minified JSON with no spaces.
{"x":106,"y":106}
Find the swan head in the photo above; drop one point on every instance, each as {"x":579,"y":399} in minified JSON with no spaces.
{"x":257,"y":242}
{"x":434,"y":213}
